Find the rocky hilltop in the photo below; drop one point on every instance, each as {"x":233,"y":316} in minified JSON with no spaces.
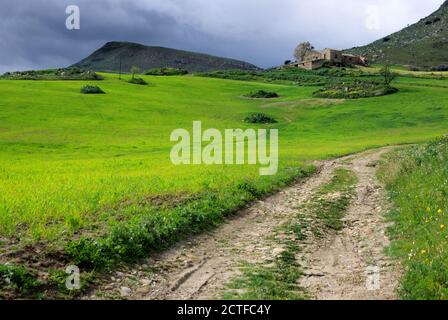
{"x":109,"y":57}
{"x":423,"y":44}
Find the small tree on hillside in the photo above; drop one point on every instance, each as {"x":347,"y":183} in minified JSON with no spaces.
{"x":388,"y":75}
{"x":134,"y":71}
{"x":302,"y":49}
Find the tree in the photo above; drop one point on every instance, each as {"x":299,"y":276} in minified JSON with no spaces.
{"x":388,"y":75}
{"x":301,"y":50}
{"x":134,"y":71}
{"x":119,"y":76}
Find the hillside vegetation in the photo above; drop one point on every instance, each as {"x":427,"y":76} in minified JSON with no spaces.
{"x":126,"y":55}
{"x":423,"y":44}
{"x":52,"y":74}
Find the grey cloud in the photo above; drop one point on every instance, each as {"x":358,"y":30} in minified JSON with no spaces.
{"x":264,"y":32}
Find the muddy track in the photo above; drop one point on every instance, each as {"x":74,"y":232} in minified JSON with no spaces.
{"x":335,"y":266}
{"x":351,"y":264}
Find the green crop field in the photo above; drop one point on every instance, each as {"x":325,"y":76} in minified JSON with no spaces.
{"x":74,"y":165}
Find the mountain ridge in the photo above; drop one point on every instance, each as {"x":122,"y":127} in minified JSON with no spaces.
{"x":107,"y":59}
{"x":422,"y":44}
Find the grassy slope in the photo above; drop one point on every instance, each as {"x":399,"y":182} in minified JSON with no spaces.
{"x":417,"y":179}
{"x":422,"y":44}
{"x":403,"y":71}
{"x":66,"y":158}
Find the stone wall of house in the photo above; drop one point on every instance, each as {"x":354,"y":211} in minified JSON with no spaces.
{"x":312,"y":65}
{"x":334,"y":56}
{"x":316,"y":64}
{"x":313,"y":55}
{"x":316,"y":59}
{"x":351,"y":59}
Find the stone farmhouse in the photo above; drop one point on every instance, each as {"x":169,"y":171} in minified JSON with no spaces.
{"x":317,"y":59}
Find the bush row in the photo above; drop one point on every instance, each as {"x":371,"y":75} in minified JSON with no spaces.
{"x":166,"y":72}
{"x":354,"y":90}
{"x":53,"y":74}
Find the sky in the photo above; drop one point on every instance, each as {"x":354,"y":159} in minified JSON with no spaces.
{"x":34,"y":33}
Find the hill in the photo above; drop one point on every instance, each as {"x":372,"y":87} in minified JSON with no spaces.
{"x":423,"y":44}
{"x":107,"y":59}
{"x":87,"y":179}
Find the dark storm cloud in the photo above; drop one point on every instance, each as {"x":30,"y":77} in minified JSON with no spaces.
{"x":34,"y":35}
{"x":264,"y":32}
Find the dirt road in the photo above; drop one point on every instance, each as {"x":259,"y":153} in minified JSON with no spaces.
{"x":349,"y":264}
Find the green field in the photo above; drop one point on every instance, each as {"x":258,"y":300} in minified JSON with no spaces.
{"x":76,"y":165}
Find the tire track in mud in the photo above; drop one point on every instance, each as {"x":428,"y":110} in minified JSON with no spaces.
{"x":335,"y":266}
{"x":351,"y":264}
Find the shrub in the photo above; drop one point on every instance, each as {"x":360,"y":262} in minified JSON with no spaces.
{"x":139,"y":81}
{"x":414,"y":68}
{"x":388,"y":75}
{"x":287,"y":74}
{"x":53,"y":74}
{"x":355,"y":90}
{"x":249,"y":187}
{"x":134,"y":70}
{"x":17,"y":278}
{"x":440,"y":68}
{"x":88,"y":89}
{"x":166,"y":72}
{"x":243,"y":75}
{"x":261,"y":94}
{"x":260,"y":118}
{"x":435,"y":20}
